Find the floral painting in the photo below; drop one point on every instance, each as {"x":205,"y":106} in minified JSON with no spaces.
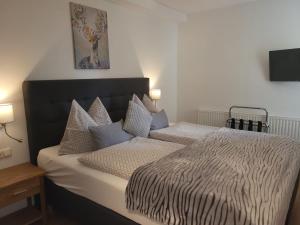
{"x":90,"y":38}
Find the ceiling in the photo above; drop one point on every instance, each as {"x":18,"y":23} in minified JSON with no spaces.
{"x":193,"y":6}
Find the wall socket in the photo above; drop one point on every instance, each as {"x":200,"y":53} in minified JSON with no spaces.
{"x":5,"y":153}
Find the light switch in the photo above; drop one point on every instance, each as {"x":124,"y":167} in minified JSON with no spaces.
{"x":5,"y":153}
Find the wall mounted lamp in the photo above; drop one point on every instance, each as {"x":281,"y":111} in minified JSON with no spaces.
{"x":155,"y":95}
{"x":7,"y":116}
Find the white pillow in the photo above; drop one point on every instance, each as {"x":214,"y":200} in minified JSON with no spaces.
{"x":149,"y":104}
{"x":77,"y":138}
{"x":99,"y":114}
{"x":138,"y":120}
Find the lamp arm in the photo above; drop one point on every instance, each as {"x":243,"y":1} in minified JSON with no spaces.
{"x":8,"y":135}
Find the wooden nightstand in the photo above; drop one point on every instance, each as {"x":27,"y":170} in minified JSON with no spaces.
{"x":18,"y":183}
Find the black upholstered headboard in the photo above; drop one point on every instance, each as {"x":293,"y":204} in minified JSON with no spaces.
{"x":47,"y":104}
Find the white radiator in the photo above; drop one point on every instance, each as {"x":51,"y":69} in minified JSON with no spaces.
{"x":278,"y":125}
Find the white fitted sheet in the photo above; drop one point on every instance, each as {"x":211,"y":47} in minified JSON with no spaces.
{"x":182,"y":133}
{"x":103,"y":188}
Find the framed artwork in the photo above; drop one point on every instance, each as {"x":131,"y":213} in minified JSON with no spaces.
{"x":90,"y":37}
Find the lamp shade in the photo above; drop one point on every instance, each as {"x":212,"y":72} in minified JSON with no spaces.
{"x":6,"y":113}
{"x":155,"y":94}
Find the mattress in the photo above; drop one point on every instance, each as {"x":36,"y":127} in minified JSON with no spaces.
{"x":182,"y":133}
{"x":103,"y":188}
{"x":122,"y":159}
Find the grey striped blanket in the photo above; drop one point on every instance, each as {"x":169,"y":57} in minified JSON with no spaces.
{"x":228,"y":178}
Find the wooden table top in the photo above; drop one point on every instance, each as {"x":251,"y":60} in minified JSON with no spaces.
{"x":15,"y":174}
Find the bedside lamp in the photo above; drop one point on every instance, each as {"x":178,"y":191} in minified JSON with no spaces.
{"x":155,"y":95}
{"x":7,"y":116}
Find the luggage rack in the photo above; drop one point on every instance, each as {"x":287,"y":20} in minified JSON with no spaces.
{"x":250,"y":125}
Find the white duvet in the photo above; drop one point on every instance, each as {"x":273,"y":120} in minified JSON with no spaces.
{"x":182,"y":133}
{"x":122,"y":159}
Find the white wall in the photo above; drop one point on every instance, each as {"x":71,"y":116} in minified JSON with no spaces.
{"x":223,"y":58}
{"x":36,"y":43}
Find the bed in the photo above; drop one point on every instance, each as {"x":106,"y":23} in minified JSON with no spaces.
{"x":47,"y":104}
{"x":106,"y":186}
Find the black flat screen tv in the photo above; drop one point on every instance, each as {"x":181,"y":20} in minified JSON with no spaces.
{"x":285,"y":65}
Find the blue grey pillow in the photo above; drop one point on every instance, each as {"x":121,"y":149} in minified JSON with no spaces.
{"x":107,"y":135}
{"x":159,"y":120}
